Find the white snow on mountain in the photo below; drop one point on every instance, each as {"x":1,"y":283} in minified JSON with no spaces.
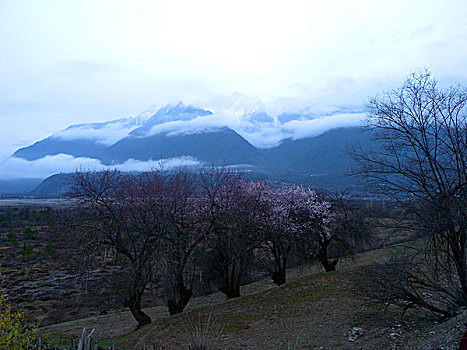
{"x":168,"y":114}
{"x":107,"y":132}
{"x":261,"y":129}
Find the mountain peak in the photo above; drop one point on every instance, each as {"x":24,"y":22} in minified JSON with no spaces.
{"x":170,"y":113}
{"x":180,"y":111}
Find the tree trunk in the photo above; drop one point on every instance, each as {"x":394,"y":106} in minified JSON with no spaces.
{"x":279,"y":274}
{"x":232,"y":281}
{"x":330,"y":265}
{"x":278,"y":277}
{"x":134,"y":304}
{"x":230,"y":291}
{"x":182,"y":297}
{"x":322,"y":256}
{"x":459,"y":257}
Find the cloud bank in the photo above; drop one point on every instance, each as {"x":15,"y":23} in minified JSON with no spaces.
{"x":261,"y":134}
{"x":260,"y":128}
{"x":13,"y":167}
{"x":105,"y":133}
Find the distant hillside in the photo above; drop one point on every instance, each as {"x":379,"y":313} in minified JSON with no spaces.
{"x":326,"y":154}
{"x":179,"y":134}
{"x":52,"y":146}
{"x":54,"y":186}
{"x":139,"y":138}
{"x":321,"y":162}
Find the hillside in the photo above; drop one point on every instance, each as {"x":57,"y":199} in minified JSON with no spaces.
{"x":321,"y":162}
{"x":325,"y":154}
{"x":314,"y":310}
{"x":54,"y":186}
{"x":308,"y":149}
{"x":18,"y":186}
{"x":53,"y":146}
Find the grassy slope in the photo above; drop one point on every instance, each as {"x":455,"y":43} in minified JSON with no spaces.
{"x":313,"y":310}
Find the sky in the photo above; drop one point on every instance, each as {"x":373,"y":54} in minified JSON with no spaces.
{"x":69,"y":62}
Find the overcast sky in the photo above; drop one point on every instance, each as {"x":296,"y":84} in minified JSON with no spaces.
{"x":67,"y":62}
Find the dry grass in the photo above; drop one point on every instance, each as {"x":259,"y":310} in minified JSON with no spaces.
{"x":314,"y":309}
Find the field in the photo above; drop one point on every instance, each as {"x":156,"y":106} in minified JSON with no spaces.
{"x":42,"y":276}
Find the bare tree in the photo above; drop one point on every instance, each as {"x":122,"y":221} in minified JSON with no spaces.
{"x":187,"y":228}
{"x":421,"y":130}
{"x":352,"y":225}
{"x":231,"y":204}
{"x":123,"y":212}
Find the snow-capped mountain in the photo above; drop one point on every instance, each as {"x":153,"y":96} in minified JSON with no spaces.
{"x":106,"y":133}
{"x":186,"y":135}
{"x":170,"y":113}
{"x":92,"y":139}
{"x":172,"y":131}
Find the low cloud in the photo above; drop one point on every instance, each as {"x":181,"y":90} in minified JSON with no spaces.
{"x":195,"y":125}
{"x":64,"y":163}
{"x":261,"y":135}
{"x":300,"y":129}
{"x":268,"y":135}
{"x":105,"y":133}
{"x":246,"y":117}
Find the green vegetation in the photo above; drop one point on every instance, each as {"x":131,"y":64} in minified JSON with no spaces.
{"x":27,"y":250}
{"x":16,"y":333}
{"x":28,"y":233}
{"x":12,"y":237}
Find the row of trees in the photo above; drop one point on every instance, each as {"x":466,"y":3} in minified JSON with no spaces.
{"x":171,"y":226}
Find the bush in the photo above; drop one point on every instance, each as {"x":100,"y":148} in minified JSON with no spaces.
{"x":201,"y":334}
{"x":28,"y":233}
{"x":11,"y":235}
{"x":15,"y":332}
{"x":27,"y":250}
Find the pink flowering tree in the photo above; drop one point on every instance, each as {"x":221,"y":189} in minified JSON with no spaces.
{"x":307,"y":221}
{"x":277,"y":231}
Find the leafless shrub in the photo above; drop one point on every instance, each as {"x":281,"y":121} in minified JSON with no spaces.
{"x":411,"y":279}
